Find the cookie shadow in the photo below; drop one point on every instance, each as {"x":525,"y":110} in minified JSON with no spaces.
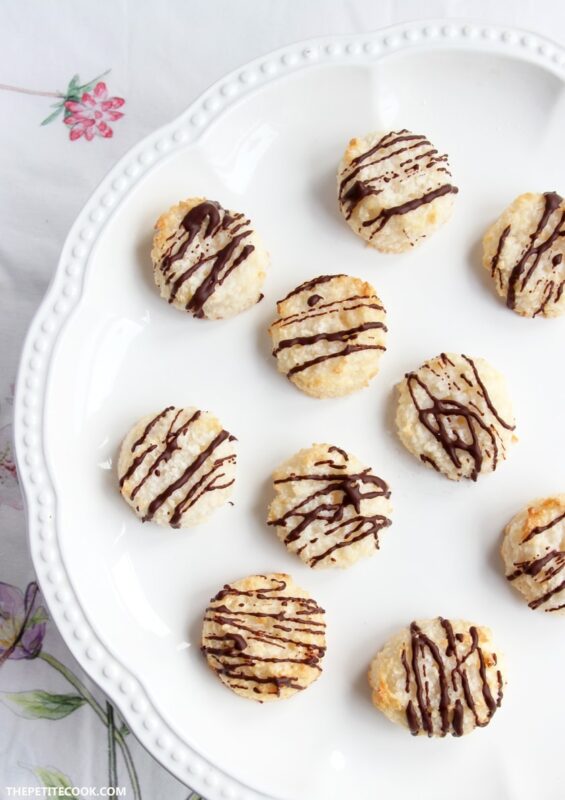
{"x":264,"y":350}
{"x":494,"y":562}
{"x":260,"y":510}
{"x":194,"y":639}
{"x":360,"y":685}
{"x":143,"y":259}
{"x":475,"y":263}
{"x":324,"y":193}
{"x":194,"y":627}
{"x":390,"y":429}
{"x":109,"y":475}
{"x":363,"y":693}
{"x":263,"y":498}
{"x":263,"y":344}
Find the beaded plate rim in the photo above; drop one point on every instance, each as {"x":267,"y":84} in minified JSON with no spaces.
{"x":65,"y":290}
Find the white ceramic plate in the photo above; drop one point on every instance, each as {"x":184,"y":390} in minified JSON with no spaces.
{"x":104,"y":349}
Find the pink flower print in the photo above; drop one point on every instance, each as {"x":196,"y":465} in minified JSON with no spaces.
{"x":9,"y":488}
{"x":89,"y":116}
{"x":85,"y":108}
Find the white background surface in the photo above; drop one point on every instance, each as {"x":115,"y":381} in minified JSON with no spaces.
{"x":162,"y":57}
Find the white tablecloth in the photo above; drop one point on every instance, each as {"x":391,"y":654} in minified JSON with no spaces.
{"x":158,"y":57}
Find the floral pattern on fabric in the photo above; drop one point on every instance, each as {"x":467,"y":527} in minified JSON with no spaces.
{"x":89,"y":116}
{"x":86,"y":109}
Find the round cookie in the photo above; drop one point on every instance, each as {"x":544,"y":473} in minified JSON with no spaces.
{"x":438,"y":677}
{"x":177,"y":466}
{"x":454,"y":414}
{"x":207,"y":260}
{"x":330,"y":335}
{"x":394,"y":189}
{"x":533,"y":550}
{"x":264,"y":637}
{"x":329,"y":508}
{"x":524,"y":251}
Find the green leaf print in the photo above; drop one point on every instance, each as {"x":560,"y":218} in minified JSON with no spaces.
{"x":42,"y":705}
{"x":52,"y":778}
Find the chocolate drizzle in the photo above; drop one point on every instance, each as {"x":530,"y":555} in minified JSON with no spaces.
{"x":530,"y":262}
{"x":194,"y":243}
{"x":332,"y":513}
{"x":194,"y":220}
{"x":496,"y":257}
{"x":188,"y":483}
{"x":331,"y":326}
{"x":358,"y":191}
{"x":465,"y":431}
{"x":542,"y":563}
{"x":542,"y":528}
{"x":240,"y":638}
{"x":411,"y":205}
{"x":307,"y":286}
{"x":453,"y":670}
{"x":153,"y":422}
{"x":329,"y":336}
{"x":363,"y":177}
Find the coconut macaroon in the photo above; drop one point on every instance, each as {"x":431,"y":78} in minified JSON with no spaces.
{"x":177,"y":466}
{"x":455,"y":415}
{"x":524,"y":251}
{"x":394,"y":189}
{"x":438,"y":677}
{"x":207,"y":260}
{"x":329,"y":508}
{"x":264,"y":637}
{"x":330,"y":335}
{"x":533,"y":550}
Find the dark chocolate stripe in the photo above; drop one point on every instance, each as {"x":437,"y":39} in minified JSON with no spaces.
{"x":354,"y":188}
{"x":309,"y":285}
{"x":328,"y":336}
{"x":161,"y":498}
{"x":496,"y":257}
{"x":411,"y":205}
{"x":329,"y":505}
{"x":215,"y":276}
{"x":351,"y":348}
{"x":546,"y":298}
{"x":171,"y":445}
{"x":435,"y":418}
{"x":135,"y":464}
{"x":552,"y":201}
{"x":208,"y":211}
{"x":547,"y":596}
{"x":342,"y":453}
{"x":400,"y":137}
{"x":230,"y":651}
{"x":429,"y":460}
{"x":153,"y":422}
{"x":207,"y":218}
{"x":340,"y":308}
{"x":442,"y":417}
{"x":372,"y":530}
{"x":486,"y":395}
{"x":451,"y":671}
{"x":200,"y":488}
{"x":279,"y":615}
{"x":536,"y":565}
{"x":542,"y":528}
{"x":358,"y":191}
{"x":359,"y":168}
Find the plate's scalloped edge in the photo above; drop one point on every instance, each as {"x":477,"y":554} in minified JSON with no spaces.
{"x":64,"y":293}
